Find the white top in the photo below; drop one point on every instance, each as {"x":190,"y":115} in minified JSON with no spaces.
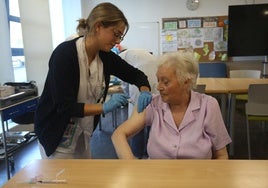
{"x":147,"y":63}
{"x":90,"y":90}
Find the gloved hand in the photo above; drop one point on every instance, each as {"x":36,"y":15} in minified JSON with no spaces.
{"x":115,"y":101}
{"x":144,"y":99}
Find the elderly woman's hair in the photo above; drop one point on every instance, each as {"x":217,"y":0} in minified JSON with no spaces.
{"x":105,"y":13}
{"x":184,"y":64}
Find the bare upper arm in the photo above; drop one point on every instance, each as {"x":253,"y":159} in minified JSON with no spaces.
{"x":133,"y":125}
{"x":221,"y":154}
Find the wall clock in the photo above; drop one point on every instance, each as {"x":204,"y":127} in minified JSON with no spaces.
{"x":192,"y":4}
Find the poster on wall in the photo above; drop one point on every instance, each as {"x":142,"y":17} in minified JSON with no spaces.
{"x":207,"y":36}
{"x":169,"y":41}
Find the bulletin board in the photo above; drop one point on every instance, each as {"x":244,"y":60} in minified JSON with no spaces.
{"x":206,"y":36}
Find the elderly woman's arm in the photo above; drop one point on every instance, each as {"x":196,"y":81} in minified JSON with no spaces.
{"x":220,"y":154}
{"x":125,"y":131}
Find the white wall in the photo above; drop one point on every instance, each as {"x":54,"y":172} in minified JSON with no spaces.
{"x":57,"y":23}
{"x":36,"y":24}
{"x":43,"y":28}
{"x":63,"y":15}
{"x":6,"y":69}
{"x":71,"y":13}
{"x":37,"y":39}
{"x":152,"y":11}
{"x":155,"y":10}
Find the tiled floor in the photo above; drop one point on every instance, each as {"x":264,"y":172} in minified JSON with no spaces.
{"x":102,"y":147}
{"x":258,"y":132}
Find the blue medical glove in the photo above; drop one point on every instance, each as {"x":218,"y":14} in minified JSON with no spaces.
{"x":115,"y":101}
{"x":144,"y":99}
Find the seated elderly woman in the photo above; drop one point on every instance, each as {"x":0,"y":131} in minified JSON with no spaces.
{"x":184,"y":124}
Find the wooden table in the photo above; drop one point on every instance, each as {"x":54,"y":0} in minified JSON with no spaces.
{"x":240,"y":85}
{"x":231,"y":87}
{"x":146,"y":173}
{"x":214,"y":87}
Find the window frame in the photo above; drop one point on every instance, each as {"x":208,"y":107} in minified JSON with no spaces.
{"x":11,"y":18}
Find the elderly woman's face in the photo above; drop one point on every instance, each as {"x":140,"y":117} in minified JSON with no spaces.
{"x":169,"y":87}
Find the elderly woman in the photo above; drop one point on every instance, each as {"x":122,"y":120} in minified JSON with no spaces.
{"x":184,"y":124}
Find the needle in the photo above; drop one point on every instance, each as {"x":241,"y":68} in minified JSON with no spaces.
{"x":131,"y":101}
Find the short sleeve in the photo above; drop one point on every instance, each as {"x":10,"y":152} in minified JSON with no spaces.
{"x":214,"y":125}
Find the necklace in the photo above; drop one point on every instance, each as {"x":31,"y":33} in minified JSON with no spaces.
{"x":95,"y":79}
{"x":94,"y":72}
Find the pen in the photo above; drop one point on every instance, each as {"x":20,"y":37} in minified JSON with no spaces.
{"x":52,"y":181}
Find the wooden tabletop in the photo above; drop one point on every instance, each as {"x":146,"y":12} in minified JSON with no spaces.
{"x":229,"y":85}
{"x":216,"y":85}
{"x":145,"y":173}
{"x":212,"y":86}
{"x":240,"y":85}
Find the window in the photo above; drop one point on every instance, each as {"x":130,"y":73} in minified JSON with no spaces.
{"x":16,"y":40}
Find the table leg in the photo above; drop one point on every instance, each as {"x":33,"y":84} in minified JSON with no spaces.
{"x":231,"y":110}
{"x":223,"y":108}
{"x":5,"y":147}
{"x":7,"y":126}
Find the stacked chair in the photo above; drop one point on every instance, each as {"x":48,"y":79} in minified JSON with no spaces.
{"x":256,"y":108}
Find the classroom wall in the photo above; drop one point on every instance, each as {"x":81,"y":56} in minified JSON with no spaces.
{"x":152,"y":11}
{"x":43,"y":29}
{"x":37,"y":29}
{"x":6,"y":70}
{"x":155,"y":10}
{"x":37,"y":39}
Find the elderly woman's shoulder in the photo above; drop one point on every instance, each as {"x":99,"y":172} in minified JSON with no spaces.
{"x":204,"y":97}
{"x":210,"y":100}
{"x":157,"y":100}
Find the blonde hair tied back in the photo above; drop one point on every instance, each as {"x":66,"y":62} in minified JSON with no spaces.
{"x":105,"y":13}
{"x":81,"y":28}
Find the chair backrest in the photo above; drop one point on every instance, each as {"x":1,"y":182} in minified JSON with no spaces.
{"x":257,"y":93}
{"x":215,"y":70}
{"x":245,"y":73}
{"x":200,"y":88}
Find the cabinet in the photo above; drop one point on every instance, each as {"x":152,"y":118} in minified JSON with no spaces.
{"x":9,"y":112}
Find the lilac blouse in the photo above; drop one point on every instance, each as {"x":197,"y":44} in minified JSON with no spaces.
{"x":202,"y":129}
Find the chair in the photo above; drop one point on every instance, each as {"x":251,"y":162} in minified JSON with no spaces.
{"x":256,"y":107}
{"x":215,"y":70}
{"x":244,"y":74}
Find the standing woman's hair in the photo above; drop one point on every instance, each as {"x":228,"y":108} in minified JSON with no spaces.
{"x":105,"y":13}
